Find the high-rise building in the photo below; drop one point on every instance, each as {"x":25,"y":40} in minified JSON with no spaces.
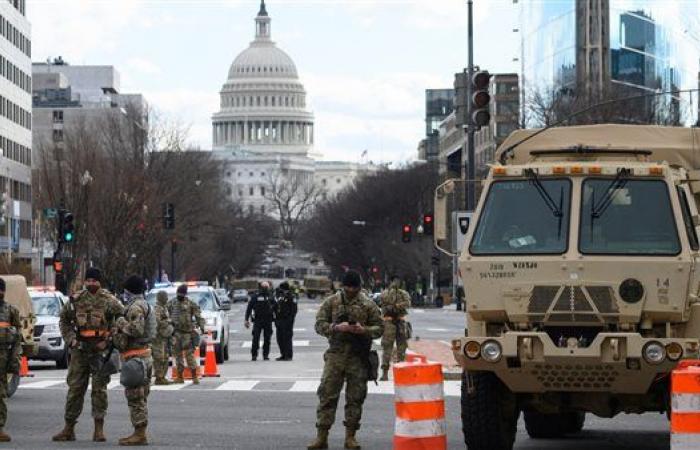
{"x":602,"y":48}
{"x":15,"y":130}
{"x":439,"y":103}
{"x":64,"y":94}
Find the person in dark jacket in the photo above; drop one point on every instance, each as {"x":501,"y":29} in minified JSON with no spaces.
{"x":261,"y":308}
{"x":285,"y":313}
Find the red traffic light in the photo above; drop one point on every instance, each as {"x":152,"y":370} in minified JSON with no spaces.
{"x":375,"y":269}
{"x":58,"y":266}
{"x":481,"y":79}
{"x":406,"y":228}
{"x":428,"y":219}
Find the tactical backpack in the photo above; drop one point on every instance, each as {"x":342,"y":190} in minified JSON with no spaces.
{"x":151,"y":326}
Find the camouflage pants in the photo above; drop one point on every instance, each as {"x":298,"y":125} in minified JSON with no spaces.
{"x":159,"y":349}
{"x":341,"y":369}
{"x":390,"y":337}
{"x":83,"y":365}
{"x":137,"y":398}
{"x":182,"y":343}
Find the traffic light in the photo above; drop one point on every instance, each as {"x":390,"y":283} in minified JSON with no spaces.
{"x":168,"y":216}
{"x":428,"y":223}
{"x":68,"y":227}
{"x":406,"y":233}
{"x":461,"y":85}
{"x":480,"y":99}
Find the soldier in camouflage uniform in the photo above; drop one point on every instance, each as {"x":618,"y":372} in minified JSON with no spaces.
{"x":395,"y":303}
{"x":133,"y":341}
{"x":10,"y":345}
{"x":344,"y":317}
{"x":86,"y":322}
{"x":159,"y":346}
{"x":185,"y":315}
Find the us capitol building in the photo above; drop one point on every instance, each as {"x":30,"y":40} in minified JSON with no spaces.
{"x":264,"y":128}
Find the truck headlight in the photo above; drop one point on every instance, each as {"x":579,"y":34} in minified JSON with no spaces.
{"x":654,"y":353}
{"x":211,"y":321}
{"x":674,"y":351}
{"x":491,"y":351}
{"x":472,"y":349}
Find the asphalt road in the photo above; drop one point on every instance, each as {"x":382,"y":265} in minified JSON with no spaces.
{"x":271,"y":405}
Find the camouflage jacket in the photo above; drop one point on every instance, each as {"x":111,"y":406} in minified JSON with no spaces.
{"x":89,"y":317}
{"x":185,"y":315}
{"x":359,"y":309}
{"x":164,"y":328}
{"x":11,"y":333}
{"x":395,"y":303}
{"x":131,"y":328}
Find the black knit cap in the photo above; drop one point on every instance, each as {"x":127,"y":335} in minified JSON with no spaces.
{"x":352,"y":279}
{"x":2,"y":284}
{"x":93,"y":273}
{"x":135,"y":285}
{"x":182,"y":289}
{"x":284,"y":286}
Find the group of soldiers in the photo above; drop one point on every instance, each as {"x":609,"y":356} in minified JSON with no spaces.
{"x":94,"y":323}
{"x":346,"y":317}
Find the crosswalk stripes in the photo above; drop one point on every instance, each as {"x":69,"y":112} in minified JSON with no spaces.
{"x":451,"y":388}
{"x":303,"y":343}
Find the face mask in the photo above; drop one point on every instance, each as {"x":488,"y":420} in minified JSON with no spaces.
{"x":2,"y":296}
{"x":92,"y":288}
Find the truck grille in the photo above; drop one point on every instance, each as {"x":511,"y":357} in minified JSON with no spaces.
{"x":565,"y":304}
{"x":38,"y":329}
{"x":575,"y":377}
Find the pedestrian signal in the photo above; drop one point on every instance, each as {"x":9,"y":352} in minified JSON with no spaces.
{"x":406,"y":235}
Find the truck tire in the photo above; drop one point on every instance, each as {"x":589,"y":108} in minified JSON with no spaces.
{"x":549,"y":426}
{"x":219,"y":352}
{"x":489,"y":413}
{"x":12,"y":384}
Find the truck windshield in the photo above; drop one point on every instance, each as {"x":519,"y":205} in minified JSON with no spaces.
{"x":637,"y":218}
{"x":517,"y":218}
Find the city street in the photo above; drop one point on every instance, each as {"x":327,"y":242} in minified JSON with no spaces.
{"x":271,"y":405}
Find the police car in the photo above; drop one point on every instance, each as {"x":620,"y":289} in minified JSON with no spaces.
{"x":214,"y":313}
{"x":47,"y":303}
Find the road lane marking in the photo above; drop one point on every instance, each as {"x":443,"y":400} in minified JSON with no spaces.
{"x":171,"y":387}
{"x":305,"y":386}
{"x":438,"y":330}
{"x":299,"y":330}
{"x":300,"y":343}
{"x":40,"y":384}
{"x":384,"y":387}
{"x":238,"y":385}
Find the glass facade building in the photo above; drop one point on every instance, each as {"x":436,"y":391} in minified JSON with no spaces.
{"x":643,"y":45}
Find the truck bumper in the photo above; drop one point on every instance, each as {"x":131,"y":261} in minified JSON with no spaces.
{"x":530,"y":362}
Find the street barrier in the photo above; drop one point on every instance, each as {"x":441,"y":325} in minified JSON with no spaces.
{"x":420,"y":406}
{"x":413,"y":357}
{"x":685,"y":406}
{"x":210,"y":367}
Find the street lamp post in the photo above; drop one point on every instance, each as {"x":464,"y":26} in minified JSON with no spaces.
{"x":85,"y":180}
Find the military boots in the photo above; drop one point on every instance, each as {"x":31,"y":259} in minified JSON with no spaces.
{"x":137,"y":438}
{"x":350,"y":441}
{"x":195,"y":379}
{"x":179,"y":380}
{"x":385,"y":375}
{"x":99,"y":435}
{"x":162,"y":381}
{"x":321,"y":441}
{"x":4,"y":437}
{"x":67,"y":434}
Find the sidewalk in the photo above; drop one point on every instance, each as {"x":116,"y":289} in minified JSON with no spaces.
{"x":438,"y":351}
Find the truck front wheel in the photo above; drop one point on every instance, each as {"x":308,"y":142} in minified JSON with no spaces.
{"x":489,"y":412}
{"x":548,"y":426}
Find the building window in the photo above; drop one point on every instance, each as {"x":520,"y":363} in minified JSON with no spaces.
{"x":250,"y":209}
{"x":262,"y":174}
{"x":251,"y":174}
{"x":262,"y":190}
{"x":58,"y":135}
{"x":324,"y":182}
{"x":228,"y":174}
{"x":251,"y":191}
{"x":262,"y":209}
{"x":337,"y":181}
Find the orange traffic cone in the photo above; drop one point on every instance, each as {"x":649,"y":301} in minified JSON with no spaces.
{"x":24,"y":368}
{"x":210,"y":367}
{"x":174,"y":373}
{"x":187,"y":373}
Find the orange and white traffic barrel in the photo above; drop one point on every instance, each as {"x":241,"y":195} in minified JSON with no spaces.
{"x":685,"y":406}
{"x":420,"y":406}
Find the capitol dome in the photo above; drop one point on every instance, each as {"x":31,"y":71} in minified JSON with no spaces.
{"x":263,"y":102}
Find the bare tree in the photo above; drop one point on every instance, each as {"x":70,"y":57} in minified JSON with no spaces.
{"x":293,"y":196}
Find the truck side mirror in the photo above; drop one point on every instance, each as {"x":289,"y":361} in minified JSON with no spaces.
{"x":442,"y":194}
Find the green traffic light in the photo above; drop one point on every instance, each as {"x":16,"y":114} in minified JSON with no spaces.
{"x":68,"y":237}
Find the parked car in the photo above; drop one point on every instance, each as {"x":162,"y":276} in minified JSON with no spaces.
{"x":240,"y":295}
{"x":47,"y":303}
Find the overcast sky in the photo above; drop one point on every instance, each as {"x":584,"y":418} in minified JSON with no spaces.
{"x":364,"y":63}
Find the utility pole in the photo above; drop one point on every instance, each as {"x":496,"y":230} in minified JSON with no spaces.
{"x":470,"y":196}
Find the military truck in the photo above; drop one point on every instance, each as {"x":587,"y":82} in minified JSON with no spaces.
{"x":16,"y":294}
{"x":317,"y":285}
{"x":581,"y":275}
